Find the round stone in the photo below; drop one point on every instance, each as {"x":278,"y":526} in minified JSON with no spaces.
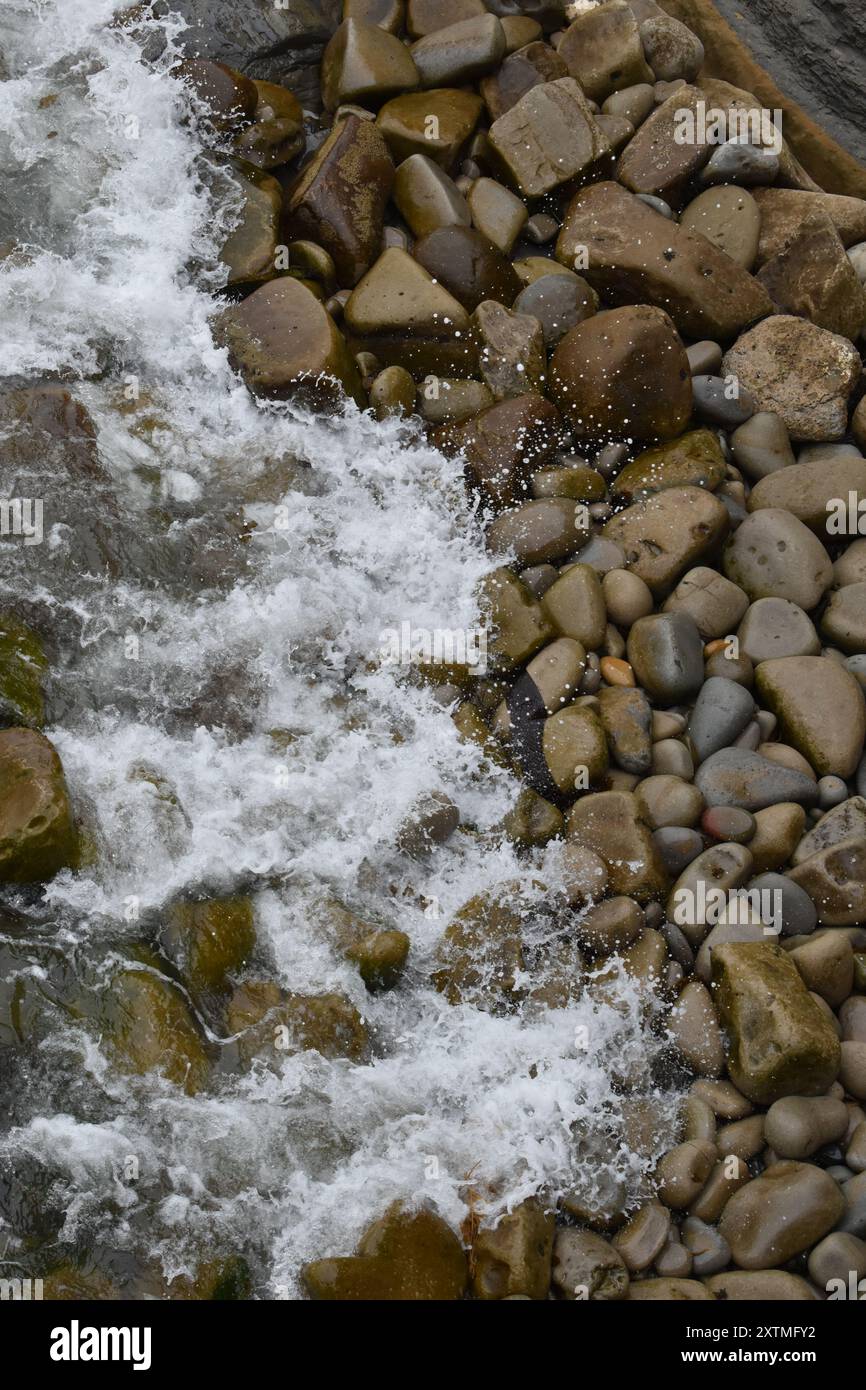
{"x":730,"y":218}
{"x":729,"y":824}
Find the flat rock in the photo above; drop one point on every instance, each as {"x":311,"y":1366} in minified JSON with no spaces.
{"x":404,"y":123}
{"x":730,"y":218}
{"x":797,"y":371}
{"x":459,"y":53}
{"x":774,"y":627}
{"x":820,"y":708}
{"x":808,"y":490}
{"x":511,"y":354}
{"x":655,"y":161}
{"x":630,"y":254}
{"x":666,"y":534}
{"x":782,"y":1042}
{"x":547,"y":138}
{"x":467,"y":265}
{"x":739,"y":777}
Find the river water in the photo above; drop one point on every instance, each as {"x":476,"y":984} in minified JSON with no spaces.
{"x":242,"y":673}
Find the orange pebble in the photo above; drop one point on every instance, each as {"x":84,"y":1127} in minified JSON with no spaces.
{"x":712,"y":647}
{"x":615,"y":671}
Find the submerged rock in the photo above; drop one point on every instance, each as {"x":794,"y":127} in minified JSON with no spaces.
{"x":407,"y":1256}
{"x":37,"y":832}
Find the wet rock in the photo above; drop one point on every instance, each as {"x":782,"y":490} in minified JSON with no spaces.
{"x":209,"y":941}
{"x":388,"y":14}
{"x":835,"y":1257}
{"x":665,"y":800}
{"x":659,"y":163}
{"x":844,"y":619}
{"x":781,"y":1042}
{"x":722,"y":710}
{"x":514,"y":1257}
{"x":693,"y":460}
{"x":533,"y":821}
{"x":518,"y":622}
{"x":230,"y":98}
{"x":784,"y":210}
{"x":603,"y":50}
{"x":643,"y":1237}
{"x":773,"y":555}
{"x":559,"y":303}
{"x":634,"y":103}
{"x":405,"y":1256}
{"x":468,"y":265}
{"x":813,"y":278}
{"x":37,"y":833}
{"x":511,"y":355}
{"x":626,"y":597}
{"x":339,"y":199}
{"x":722,"y":868}
{"x":574,"y":747}
{"x":611,"y":925}
{"x":626,"y":716}
{"x":798,"y":911}
{"x":610,"y":824}
{"x":762,"y":445}
{"x":742,"y":163}
{"x":272,"y":1023}
{"x":721,"y":402}
{"x":547,"y":138}
{"x":528,"y":68}
{"x":768,"y":1286}
{"x":481,"y":953}
{"x":547,"y":529}
{"x":834,"y":880}
{"x":666,"y":653}
{"x":392,"y":393}
{"x":262,"y":41}
{"x":426,"y":16}
{"x":809,"y":491}
{"x":286,"y":345}
{"x":667,"y":533}
{"x":22,"y":669}
{"x":585,"y":1265}
{"x":575,"y":605}
{"x":623,"y":372}
{"x":775,"y":627}
{"x":459,"y":53}
{"x":778,"y":1215}
{"x":797,"y":1126}
{"x":715,"y":604}
{"x":405,"y":124}
{"x":634,"y":256}
{"x":399,"y":313}
{"x":820,"y":708}
{"x":844,"y":822}
{"x":574,"y":480}
{"x":251,"y":250}
{"x":148,"y":1026}
{"x":427,"y":197}
{"x":366,"y":65}
{"x":739,"y":777}
{"x":496,"y":213}
{"x":694,"y":1031}
{"x":507,"y":442}
{"x":797,"y":371}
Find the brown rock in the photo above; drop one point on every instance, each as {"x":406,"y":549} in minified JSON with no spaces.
{"x":548,"y":138}
{"x":276,"y":135}
{"x":780,"y":1214}
{"x":547,"y":529}
{"x":514,"y":1257}
{"x":37,"y":834}
{"x":398,"y":312}
{"x":460,"y":52}
{"x":820,"y":708}
{"x":532,"y":65}
{"x":630,"y":254}
{"x":285,"y":344}
{"x":693,"y":460}
{"x":339,"y":199}
{"x":468,"y":265}
{"x":784,"y":210}
{"x":814,"y":279}
{"x":405,"y":124}
{"x":511,"y":355}
{"x":655,"y":162}
{"x":667,"y":533}
{"x":404,"y":1256}
{"x":798,"y":371}
{"x":506,"y":443}
{"x":365,"y":64}
{"x":610,"y":824}
{"x":603,"y":50}
{"x":623,"y":374}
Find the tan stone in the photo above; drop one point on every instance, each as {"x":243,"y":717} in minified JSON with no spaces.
{"x":603,"y":50}
{"x":610,"y":824}
{"x":365,"y":64}
{"x":404,"y":122}
{"x":797,"y":371}
{"x":532,"y":65}
{"x":693,"y":460}
{"x":668,"y":533}
{"x":814,"y":279}
{"x":820,"y":708}
{"x":655,"y":162}
{"x":547,"y":138}
{"x":784,"y":210}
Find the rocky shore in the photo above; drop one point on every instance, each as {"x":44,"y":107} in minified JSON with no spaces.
{"x":539,"y":238}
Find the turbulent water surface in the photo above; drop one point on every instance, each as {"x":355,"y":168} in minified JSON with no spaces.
{"x":224,"y":726}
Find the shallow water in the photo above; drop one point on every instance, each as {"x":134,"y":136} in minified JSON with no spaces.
{"x":253,"y":689}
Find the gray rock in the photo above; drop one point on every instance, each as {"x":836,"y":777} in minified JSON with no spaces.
{"x":667,"y":656}
{"x":714,"y":403}
{"x":737,"y":777}
{"x":746,"y":165}
{"x":705,"y":358}
{"x":773,"y":555}
{"x":722,"y":710}
{"x":677,"y":846}
{"x":775,"y":627}
{"x":762,"y":445}
{"x":799,"y":916}
{"x":282,"y":45}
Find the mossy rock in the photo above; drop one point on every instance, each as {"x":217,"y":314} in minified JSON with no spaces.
{"x":37,"y":833}
{"x":533,"y":820}
{"x":215,"y":1281}
{"x":22,"y":666}
{"x":403,"y":1256}
{"x":67,"y":1283}
{"x":379,"y":953}
{"x":210,"y":941}
{"x":272,"y":1022}
{"x":148,"y":1026}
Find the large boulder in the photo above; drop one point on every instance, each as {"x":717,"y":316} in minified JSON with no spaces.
{"x":37,"y":833}
{"x":631,"y":254}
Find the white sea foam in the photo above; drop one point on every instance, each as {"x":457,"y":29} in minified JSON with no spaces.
{"x":286,"y":1165}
